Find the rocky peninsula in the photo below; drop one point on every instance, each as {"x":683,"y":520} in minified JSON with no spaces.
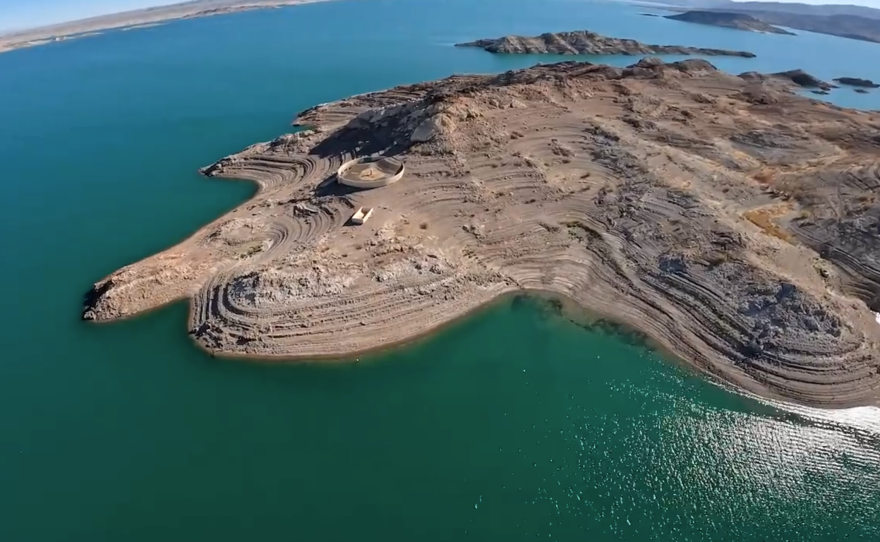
{"x":584,"y":42}
{"x":733,"y":221}
{"x":737,"y":21}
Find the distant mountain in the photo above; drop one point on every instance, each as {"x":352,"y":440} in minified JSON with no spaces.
{"x":845,"y":26}
{"x":809,"y":9}
{"x":786,"y":7}
{"x":738,"y":21}
{"x":846,"y":21}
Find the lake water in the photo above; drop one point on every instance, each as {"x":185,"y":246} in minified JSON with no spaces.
{"x":512,"y":425}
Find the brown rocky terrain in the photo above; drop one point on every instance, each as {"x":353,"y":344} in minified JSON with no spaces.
{"x":733,"y":221}
{"x":584,"y":42}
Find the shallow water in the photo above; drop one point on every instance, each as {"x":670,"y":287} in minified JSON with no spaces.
{"x":511,"y":424}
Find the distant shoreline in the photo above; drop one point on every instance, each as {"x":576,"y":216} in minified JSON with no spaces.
{"x":130,"y":20}
{"x":852,"y":25}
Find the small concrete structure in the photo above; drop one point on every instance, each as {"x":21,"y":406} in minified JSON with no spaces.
{"x":370,"y":172}
{"x":362,"y":215}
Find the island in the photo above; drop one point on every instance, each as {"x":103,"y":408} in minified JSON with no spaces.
{"x":584,"y":42}
{"x":738,"y":21}
{"x":856,"y":82}
{"x":731,"y":220}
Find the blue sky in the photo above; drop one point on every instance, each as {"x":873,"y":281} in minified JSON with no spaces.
{"x":20,"y":14}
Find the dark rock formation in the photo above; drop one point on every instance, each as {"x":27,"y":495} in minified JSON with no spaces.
{"x":798,"y":77}
{"x":804,"y":79}
{"x":584,"y":42}
{"x":856,"y":82}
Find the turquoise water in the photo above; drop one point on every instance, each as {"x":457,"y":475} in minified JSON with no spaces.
{"x":511,"y":425}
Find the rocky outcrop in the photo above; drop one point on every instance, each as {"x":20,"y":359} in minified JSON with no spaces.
{"x":804,"y":79}
{"x":856,"y":82}
{"x":584,"y":42}
{"x":738,"y":21}
{"x":798,"y":77}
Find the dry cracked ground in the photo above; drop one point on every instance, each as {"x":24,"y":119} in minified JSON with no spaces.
{"x":733,"y":221}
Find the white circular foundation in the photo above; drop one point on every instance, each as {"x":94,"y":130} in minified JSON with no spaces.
{"x":370,"y":172}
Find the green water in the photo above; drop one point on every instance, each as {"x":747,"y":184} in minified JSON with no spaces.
{"x":512,"y":425}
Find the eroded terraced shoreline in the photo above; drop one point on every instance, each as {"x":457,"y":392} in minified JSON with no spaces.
{"x":734,"y":222}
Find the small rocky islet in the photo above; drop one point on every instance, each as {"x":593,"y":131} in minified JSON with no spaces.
{"x":857,"y":82}
{"x":861,"y":85}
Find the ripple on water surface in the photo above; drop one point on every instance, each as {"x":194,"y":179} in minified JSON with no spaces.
{"x":653,"y":453}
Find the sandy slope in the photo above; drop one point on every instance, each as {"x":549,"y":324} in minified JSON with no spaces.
{"x":734,"y":222}
{"x":141,"y":17}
